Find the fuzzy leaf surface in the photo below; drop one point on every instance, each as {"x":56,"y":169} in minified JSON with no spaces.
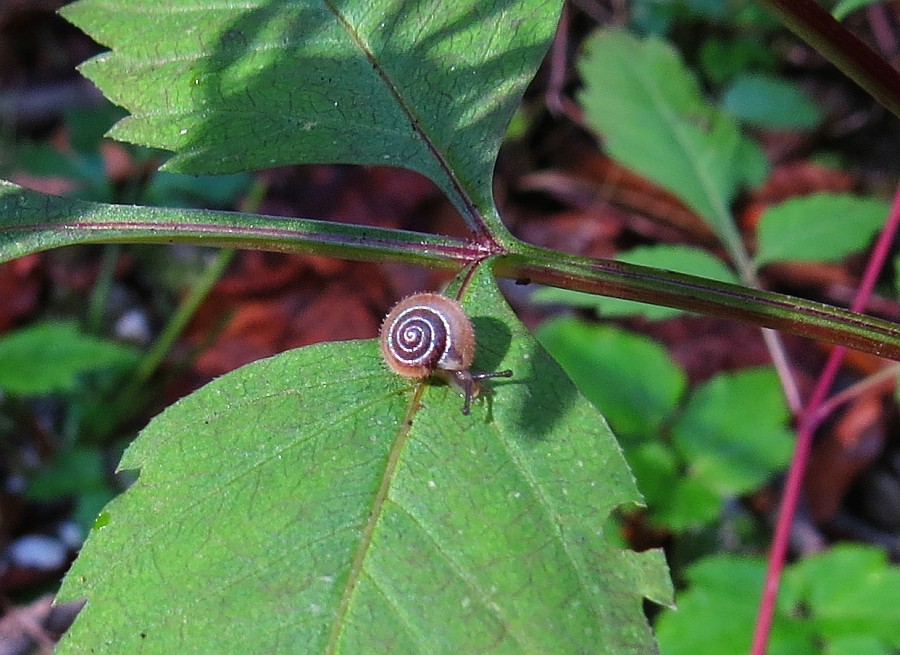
{"x":289,"y":507}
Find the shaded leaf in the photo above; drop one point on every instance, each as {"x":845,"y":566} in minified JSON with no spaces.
{"x":232,"y":87}
{"x":722,"y":58}
{"x":79,"y":473}
{"x":289,"y":507}
{"x":733,"y":431}
{"x":771,"y":102}
{"x":618,"y":371}
{"x":70,"y":472}
{"x":819,"y":227}
{"x":49,"y":357}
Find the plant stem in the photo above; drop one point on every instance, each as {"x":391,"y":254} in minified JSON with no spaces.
{"x":179,"y":320}
{"x":797,"y":316}
{"x":100,"y":292}
{"x":35,"y":221}
{"x":841,"y":47}
{"x":809,"y":420}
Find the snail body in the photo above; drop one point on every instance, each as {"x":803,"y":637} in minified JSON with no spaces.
{"x":428,"y":334}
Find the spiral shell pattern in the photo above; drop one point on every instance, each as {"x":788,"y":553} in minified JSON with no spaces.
{"x":425,"y":333}
{"x":419,"y":336}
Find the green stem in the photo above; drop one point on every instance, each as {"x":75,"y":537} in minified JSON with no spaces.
{"x":32,"y":221}
{"x":794,"y":315}
{"x":179,"y":320}
{"x":100,"y":292}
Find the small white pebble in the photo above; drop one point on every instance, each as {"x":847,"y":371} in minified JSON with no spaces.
{"x":37,"y":552}
{"x":69,"y":533}
{"x":133,"y":326}
{"x":15,"y":484}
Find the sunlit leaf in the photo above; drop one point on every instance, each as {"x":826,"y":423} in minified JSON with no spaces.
{"x":647,"y":107}
{"x":289,"y":506}
{"x":238,"y":86}
{"x":818,"y":227}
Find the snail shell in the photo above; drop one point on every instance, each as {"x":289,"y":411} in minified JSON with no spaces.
{"x":425,"y":333}
{"x":429,"y":334}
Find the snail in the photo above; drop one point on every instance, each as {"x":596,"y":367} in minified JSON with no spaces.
{"x":428,"y":334}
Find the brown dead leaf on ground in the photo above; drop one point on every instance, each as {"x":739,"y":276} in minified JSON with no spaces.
{"x":20,"y":285}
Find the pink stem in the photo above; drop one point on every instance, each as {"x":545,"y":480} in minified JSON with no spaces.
{"x":808,"y":421}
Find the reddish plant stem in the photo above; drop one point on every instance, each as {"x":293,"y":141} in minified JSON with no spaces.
{"x":856,"y":59}
{"x":881,"y":382}
{"x":558,"y":64}
{"x":809,"y":420}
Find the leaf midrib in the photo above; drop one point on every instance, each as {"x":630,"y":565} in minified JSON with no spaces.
{"x":674,"y":125}
{"x":474,"y":218}
{"x":378,"y":505}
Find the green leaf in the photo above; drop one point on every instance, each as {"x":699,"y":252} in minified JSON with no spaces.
{"x":70,"y":472}
{"x":80,"y":473}
{"x":715,"y":610}
{"x":733,"y":432}
{"x":173,"y":190}
{"x":720,"y":607}
{"x":653,"y":118}
{"x":683,"y":259}
{"x":721,"y":448}
{"x":618,"y":371}
{"x":656,"y":469}
{"x":49,"y":357}
{"x":231,"y":87}
{"x":850,"y":590}
{"x":294,"y":505}
{"x":819,"y":227}
{"x":844,"y":598}
{"x":690,"y":503}
{"x":723,"y":58}
{"x":673,"y":500}
{"x":720,"y":442}
{"x":856,"y":645}
{"x":846,"y":7}
{"x":771,"y":102}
